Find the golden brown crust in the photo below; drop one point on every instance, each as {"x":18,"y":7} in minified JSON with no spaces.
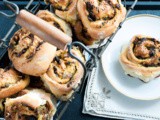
{"x":29,"y":54}
{"x":35,"y":102}
{"x":56,"y":21}
{"x":141,"y":58}
{"x":64,"y":74}
{"x":12,"y":82}
{"x":82,"y":35}
{"x":100,"y":18}
{"x":65,"y":9}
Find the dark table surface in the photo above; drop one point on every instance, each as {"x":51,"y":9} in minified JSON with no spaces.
{"x":74,"y":111}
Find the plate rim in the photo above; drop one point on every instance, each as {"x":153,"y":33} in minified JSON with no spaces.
{"x":106,"y":73}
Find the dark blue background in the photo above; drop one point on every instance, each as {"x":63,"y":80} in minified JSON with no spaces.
{"x":74,"y":111}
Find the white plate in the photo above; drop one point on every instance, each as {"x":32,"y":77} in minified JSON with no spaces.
{"x":132,"y":87}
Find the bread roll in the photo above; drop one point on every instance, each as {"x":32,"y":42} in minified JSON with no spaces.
{"x":11,"y":82}
{"x":30,"y":103}
{"x":29,"y":54}
{"x":64,"y":74}
{"x":56,"y":21}
{"x":141,"y":58}
{"x":99,"y":18}
{"x":65,"y":9}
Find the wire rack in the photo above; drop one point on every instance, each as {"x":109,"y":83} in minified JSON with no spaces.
{"x":33,"y":6}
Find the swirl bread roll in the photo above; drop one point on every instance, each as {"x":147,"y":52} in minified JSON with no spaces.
{"x":30,"y":103}
{"x":82,"y":35}
{"x":56,"y":21}
{"x":141,"y":58}
{"x":29,"y":54}
{"x":99,"y":18}
{"x":64,"y":74}
{"x":65,"y":9}
{"x":11,"y":82}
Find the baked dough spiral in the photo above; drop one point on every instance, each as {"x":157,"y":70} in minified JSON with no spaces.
{"x":56,"y":21}
{"x":11,"y":82}
{"x":65,"y":9}
{"x":29,"y":54}
{"x":30,"y":103}
{"x":64,"y":74}
{"x":99,"y":18}
{"x":141,"y":59}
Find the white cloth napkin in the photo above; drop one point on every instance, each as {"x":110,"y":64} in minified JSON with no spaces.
{"x":101,"y":99}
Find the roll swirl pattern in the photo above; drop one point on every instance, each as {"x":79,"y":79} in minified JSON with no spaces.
{"x":65,"y":9}
{"x":11,"y":82}
{"x":99,"y":19}
{"x":29,"y":54}
{"x":55,"y":21}
{"x":64,"y":74}
{"x":34,"y":103}
{"x":141,"y":59}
